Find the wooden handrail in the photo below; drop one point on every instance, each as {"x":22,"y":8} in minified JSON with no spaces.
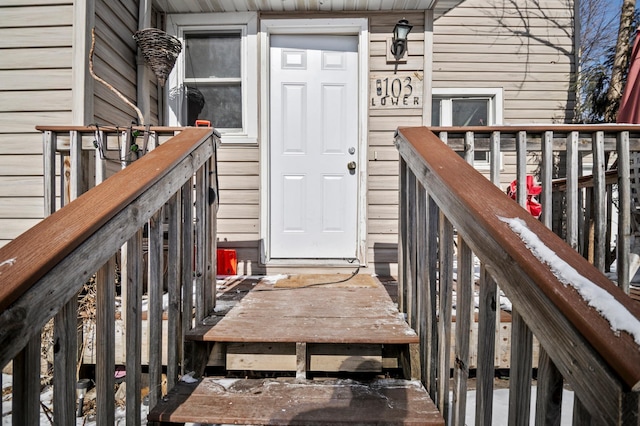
{"x":578,"y":339}
{"x":558,"y":128}
{"x":27,"y":258}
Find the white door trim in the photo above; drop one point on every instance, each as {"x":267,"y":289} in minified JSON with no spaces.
{"x":354,"y":26}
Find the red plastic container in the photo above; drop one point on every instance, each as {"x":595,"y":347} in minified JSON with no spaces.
{"x":227,"y":262}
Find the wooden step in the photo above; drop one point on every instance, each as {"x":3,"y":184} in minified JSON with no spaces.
{"x":295,"y":402}
{"x":362,"y":315}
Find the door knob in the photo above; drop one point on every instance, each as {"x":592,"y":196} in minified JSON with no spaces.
{"x":351,"y":165}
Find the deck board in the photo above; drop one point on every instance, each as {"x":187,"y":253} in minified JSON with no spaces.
{"x":339,"y":313}
{"x":291,"y":402}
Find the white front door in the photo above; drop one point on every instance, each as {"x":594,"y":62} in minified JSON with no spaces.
{"x":314,"y":146}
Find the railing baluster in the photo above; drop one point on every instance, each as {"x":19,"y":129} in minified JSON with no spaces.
{"x":549,"y":389}
{"x":174,"y":334}
{"x":422,"y":278}
{"x":464,"y":320}
{"x":433,"y":215}
{"x":402,"y":236}
{"x":410,"y":284}
{"x":521,"y":337}
{"x":624,"y":211}
{"x":201,"y":259}
{"x":444,"y":317}
{"x":49,"y":141}
{"x":187,"y":277}
{"x":486,"y":348}
{"x":572,"y":190}
{"x":133,"y":325}
{"x":26,"y":384}
{"x":154,"y":314}
{"x":600,"y":200}
{"x":65,"y":362}
{"x":105,"y":343}
{"x":572,"y":212}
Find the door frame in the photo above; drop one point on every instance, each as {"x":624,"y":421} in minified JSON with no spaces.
{"x":337,"y":26}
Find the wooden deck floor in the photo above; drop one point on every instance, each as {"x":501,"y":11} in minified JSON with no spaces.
{"x":313,"y":309}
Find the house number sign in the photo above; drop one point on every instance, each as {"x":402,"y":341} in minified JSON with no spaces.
{"x":392,"y":91}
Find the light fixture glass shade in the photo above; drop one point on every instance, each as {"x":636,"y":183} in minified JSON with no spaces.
{"x":402,"y":30}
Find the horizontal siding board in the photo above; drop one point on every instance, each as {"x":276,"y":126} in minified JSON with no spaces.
{"x":34,"y":2}
{"x":238,"y":169}
{"x":518,"y":57}
{"x":508,"y":67}
{"x":21,"y":143}
{"x":17,"y":122}
{"x":234,"y":154}
{"x":382,"y":153}
{"x":36,"y":16}
{"x":10,"y":229}
{"x":383,"y":168}
{"x":21,"y":165}
{"x":35,"y":37}
{"x":385,"y":183}
{"x":35,"y":79}
{"x":21,"y":208}
{"x":36,"y":100}
{"x":21,"y":186}
{"x":111,"y":115}
{"x":36,"y":58}
{"x":239,"y":226}
{"x":392,"y":123}
{"x":239,"y":182}
{"x":231,"y":211}
{"x":240,"y":197}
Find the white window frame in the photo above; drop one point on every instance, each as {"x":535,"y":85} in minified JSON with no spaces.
{"x":495,"y":96}
{"x":247,"y":24}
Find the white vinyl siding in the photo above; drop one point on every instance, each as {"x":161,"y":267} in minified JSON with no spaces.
{"x":526,"y":47}
{"x":115,"y":61}
{"x":35,"y":88}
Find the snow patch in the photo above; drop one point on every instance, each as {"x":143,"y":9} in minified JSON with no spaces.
{"x":618,"y":316}
{"x":273,"y":279}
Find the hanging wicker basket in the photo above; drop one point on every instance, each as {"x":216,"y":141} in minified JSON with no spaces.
{"x":160,"y":50}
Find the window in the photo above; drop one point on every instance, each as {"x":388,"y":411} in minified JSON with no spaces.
{"x":214,"y":80}
{"x":215,"y":77}
{"x":467,"y":107}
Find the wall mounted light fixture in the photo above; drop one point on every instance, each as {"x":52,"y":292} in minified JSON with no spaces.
{"x":399,"y":41}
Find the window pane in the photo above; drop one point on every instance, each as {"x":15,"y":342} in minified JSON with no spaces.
{"x":222,"y":106}
{"x":435,"y":112}
{"x":212,"y":55}
{"x":470,"y":112}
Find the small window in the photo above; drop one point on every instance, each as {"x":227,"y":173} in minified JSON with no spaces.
{"x":216,"y":74}
{"x":213,"y":79}
{"x":464,"y":108}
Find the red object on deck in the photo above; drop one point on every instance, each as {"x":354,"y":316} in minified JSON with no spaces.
{"x":227,"y":262}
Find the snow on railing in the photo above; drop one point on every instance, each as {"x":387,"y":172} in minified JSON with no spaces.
{"x":551,"y":286}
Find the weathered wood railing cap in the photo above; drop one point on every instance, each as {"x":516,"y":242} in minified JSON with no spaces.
{"x":506,"y":238}
{"x":111,"y":128}
{"x":27,"y":258}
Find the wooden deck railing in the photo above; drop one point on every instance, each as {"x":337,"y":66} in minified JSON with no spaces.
{"x":545,"y":278}
{"x":43,"y":270}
